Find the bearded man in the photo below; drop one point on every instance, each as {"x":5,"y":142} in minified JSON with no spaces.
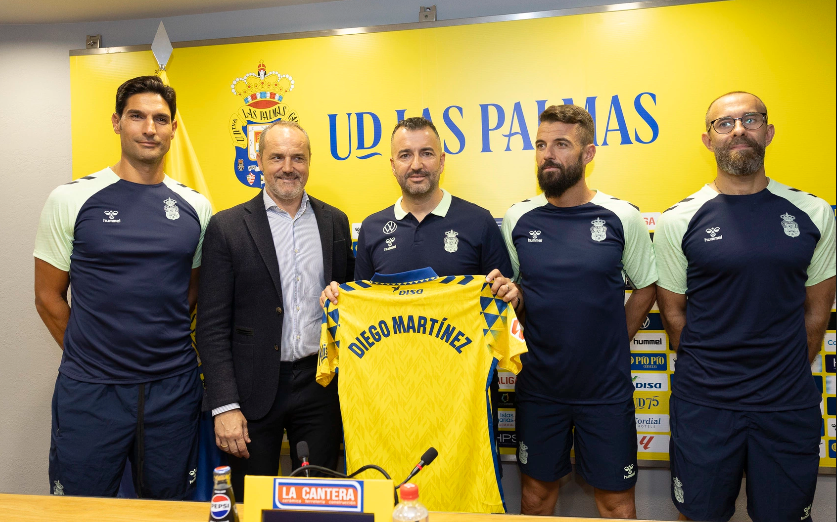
{"x":747,"y":271}
{"x":570,"y":249}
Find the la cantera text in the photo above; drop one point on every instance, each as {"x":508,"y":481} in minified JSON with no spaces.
{"x":440,"y":329}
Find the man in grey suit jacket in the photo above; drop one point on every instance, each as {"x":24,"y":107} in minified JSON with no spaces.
{"x":258,"y":327}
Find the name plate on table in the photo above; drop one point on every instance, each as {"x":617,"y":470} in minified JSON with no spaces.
{"x":272,"y":499}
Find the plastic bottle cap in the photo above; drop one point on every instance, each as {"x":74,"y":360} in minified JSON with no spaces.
{"x":409,"y":491}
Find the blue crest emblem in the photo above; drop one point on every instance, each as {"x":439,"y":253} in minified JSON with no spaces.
{"x":263,"y":93}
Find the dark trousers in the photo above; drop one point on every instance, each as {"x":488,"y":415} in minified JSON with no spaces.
{"x":96,"y":426}
{"x":308,"y":411}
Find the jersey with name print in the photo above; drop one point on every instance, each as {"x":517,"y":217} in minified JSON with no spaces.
{"x":571,"y":263}
{"x":743,"y":263}
{"x":415,"y":353}
{"x":129,"y":250}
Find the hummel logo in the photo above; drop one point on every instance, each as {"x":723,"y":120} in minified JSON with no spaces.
{"x":630,"y":471}
{"x":535,"y":234}
{"x":713,"y":234}
{"x":111,"y":214}
{"x":390,"y":245}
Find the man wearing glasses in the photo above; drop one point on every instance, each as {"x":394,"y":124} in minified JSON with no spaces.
{"x":746,"y":282}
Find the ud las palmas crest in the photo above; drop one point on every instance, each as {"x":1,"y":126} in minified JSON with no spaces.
{"x":789,"y":224}
{"x":263,"y":93}
{"x":598,"y":232}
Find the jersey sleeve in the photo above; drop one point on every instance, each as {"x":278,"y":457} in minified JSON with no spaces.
{"x":204,"y":214}
{"x":54,"y":239}
{"x":506,"y":231}
{"x":328,"y":357}
{"x":638,"y":258}
{"x":504,"y":333}
{"x":363,"y":260}
{"x":824,"y":261}
{"x":494,"y":251}
{"x":671,"y":261}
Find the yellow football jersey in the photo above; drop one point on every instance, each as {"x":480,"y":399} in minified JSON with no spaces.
{"x":415,"y":353}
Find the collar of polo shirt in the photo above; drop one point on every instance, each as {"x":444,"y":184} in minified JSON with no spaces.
{"x":441,"y":209}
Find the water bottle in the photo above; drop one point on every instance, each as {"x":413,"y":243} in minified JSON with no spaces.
{"x":409,"y":509}
{"x":223,"y":501}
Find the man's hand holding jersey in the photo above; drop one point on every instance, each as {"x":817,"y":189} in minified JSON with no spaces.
{"x":502,"y":287}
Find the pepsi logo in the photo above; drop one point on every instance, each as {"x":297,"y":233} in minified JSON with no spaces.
{"x":220,"y":507}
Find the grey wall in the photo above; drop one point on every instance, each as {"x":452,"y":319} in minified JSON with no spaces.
{"x":36,"y":156}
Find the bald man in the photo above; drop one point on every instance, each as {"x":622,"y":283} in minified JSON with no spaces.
{"x":746,"y":282}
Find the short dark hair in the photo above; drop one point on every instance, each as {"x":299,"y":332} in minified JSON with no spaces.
{"x":573,"y":115}
{"x":415,"y":123}
{"x":706,"y":118}
{"x":142,"y":84}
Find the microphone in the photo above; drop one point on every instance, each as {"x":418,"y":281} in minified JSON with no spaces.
{"x":302,"y":454}
{"x":428,"y":457}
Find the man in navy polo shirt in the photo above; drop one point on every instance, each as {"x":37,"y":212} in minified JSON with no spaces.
{"x":128,"y":238}
{"x":747,"y":271}
{"x":428,"y":227}
{"x":571,"y":248}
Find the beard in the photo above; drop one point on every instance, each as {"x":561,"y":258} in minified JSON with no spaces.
{"x":429,"y":185}
{"x":740,"y":162}
{"x":554,"y":185}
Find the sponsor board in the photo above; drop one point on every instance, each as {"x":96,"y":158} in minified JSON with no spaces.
{"x":355,"y":230}
{"x":652,"y":423}
{"x":816,"y":364}
{"x":506,"y":418}
{"x":506,"y":400}
{"x":829,"y":385}
{"x":507,"y":439}
{"x":831,"y":427}
{"x":832,"y":449}
{"x":653,"y":342}
{"x":822,"y":448}
{"x":318,"y":495}
{"x":672,"y":358}
{"x":830,"y":343}
{"x":652,"y":322}
{"x":651,"y":219}
{"x":650,"y":381}
{"x":507,"y":380}
{"x":649,"y":362}
{"x":652,"y":443}
{"x":646,"y":403}
{"x":831,"y":405}
{"x":830,"y":363}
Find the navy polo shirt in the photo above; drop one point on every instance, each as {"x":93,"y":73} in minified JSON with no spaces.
{"x":129,"y":250}
{"x":456,"y":238}
{"x":744,"y":263}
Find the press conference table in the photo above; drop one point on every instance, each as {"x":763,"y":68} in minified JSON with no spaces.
{"x":37,"y":508}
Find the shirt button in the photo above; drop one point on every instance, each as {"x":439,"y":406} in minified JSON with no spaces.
{"x":296,"y":250}
{"x":276,"y":347}
{"x":278,"y":310}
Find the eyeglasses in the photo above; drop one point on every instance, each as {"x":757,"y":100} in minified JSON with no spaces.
{"x":750,"y":121}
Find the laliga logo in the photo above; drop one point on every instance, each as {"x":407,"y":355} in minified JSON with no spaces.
{"x":517,"y":329}
{"x":262,"y":93}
